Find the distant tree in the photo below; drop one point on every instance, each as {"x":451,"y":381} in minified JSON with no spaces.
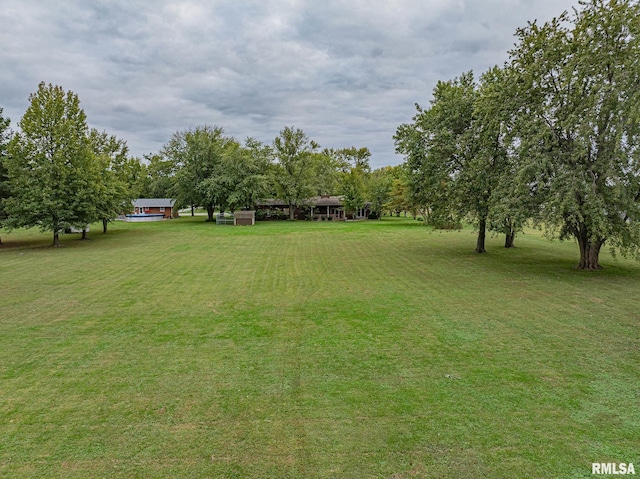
{"x":134,"y":173}
{"x":510,"y":204}
{"x":399,"y":197}
{"x":160,"y":179}
{"x":577,"y":82}
{"x":114,"y":194}
{"x":50,"y":164}
{"x":227,"y":173}
{"x":4,"y":180}
{"x":249,"y":168}
{"x":198,"y":155}
{"x":439,"y":147}
{"x":327,"y":172}
{"x":333,"y":166}
{"x":353,"y":191}
{"x":378,"y":189}
{"x":294,"y":179}
{"x":487,"y":168}
{"x":457,"y":156}
{"x":429,"y":180}
{"x":352,"y":157}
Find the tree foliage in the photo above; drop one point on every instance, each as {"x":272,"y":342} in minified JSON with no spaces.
{"x":578,"y":91}
{"x":438,"y":146}
{"x":113,"y":193}
{"x":50,"y":165}
{"x":552,"y":137}
{"x":156,"y":176}
{"x":4,"y":180}
{"x":378,"y":189}
{"x":198,"y":155}
{"x":399,"y":196}
{"x":353,"y":191}
{"x":214,"y":170}
{"x":249,"y":169}
{"x":294,"y":167}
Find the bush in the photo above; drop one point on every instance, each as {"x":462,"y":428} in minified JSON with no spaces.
{"x":280,"y":215}
{"x":443,"y":224}
{"x":329,"y":218}
{"x":373,"y":216}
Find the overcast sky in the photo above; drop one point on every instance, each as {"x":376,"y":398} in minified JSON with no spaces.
{"x":347,"y":72}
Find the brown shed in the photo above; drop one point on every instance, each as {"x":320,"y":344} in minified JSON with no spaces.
{"x":244,"y":218}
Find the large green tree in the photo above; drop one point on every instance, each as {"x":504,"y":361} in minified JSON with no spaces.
{"x":198,"y":155}
{"x":354,"y":169}
{"x":487,"y":167}
{"x":458,"y":156}
{"x":249,"y":168}
{"x":578,"y":87}
{"x":4,"y":180}
{"x":50,"y":165}
{"x":437,"y":147}
{"x":510,"y":204}
{"x":113,"y":191}
{"x":399,"y":197}
{"x":158,"y":177}
{"x":294,"y":168}
{"x":353,"y":191}
{"x":378,"y":189}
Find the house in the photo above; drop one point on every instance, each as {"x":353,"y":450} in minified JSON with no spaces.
{"x":317,"y":207}
{"x":155,"y":206}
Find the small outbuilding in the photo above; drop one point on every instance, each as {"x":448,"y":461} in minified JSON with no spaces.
{"x":244,"y":218}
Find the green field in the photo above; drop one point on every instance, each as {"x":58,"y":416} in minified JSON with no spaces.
{"x":376,"y":349}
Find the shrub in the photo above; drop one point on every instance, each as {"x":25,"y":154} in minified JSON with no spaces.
{"x":445,"y":224}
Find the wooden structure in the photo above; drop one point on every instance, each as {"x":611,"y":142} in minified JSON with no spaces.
{"x":244,"y":218}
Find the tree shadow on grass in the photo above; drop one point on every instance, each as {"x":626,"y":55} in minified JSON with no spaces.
{"x":37,"y":240}
{"x":553,"y":260}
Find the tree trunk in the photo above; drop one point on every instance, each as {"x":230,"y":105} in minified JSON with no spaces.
{"x":589,"y":252}
{"x":210,"y":209}
{"x":509,"y":238}
{"x":292,"y":212}
{"x":56,"y":239}
{"x":84,"y":234}
{"x":193,"y":212}
{"x":104,"y":226}
{"x":482,"y":234}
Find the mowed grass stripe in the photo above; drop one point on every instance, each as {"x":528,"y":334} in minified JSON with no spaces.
{"x":372,"y":349}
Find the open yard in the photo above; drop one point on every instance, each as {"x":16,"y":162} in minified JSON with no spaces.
{"x":376,"y":349}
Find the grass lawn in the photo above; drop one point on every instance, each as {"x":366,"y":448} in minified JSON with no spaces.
{"x":373,"y":349}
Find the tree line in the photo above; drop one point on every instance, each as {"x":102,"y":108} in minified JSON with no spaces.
{"x":551,"y":138}
{"x":57,"y":173}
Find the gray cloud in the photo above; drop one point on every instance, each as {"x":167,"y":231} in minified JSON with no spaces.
{"x":348,"y":73}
